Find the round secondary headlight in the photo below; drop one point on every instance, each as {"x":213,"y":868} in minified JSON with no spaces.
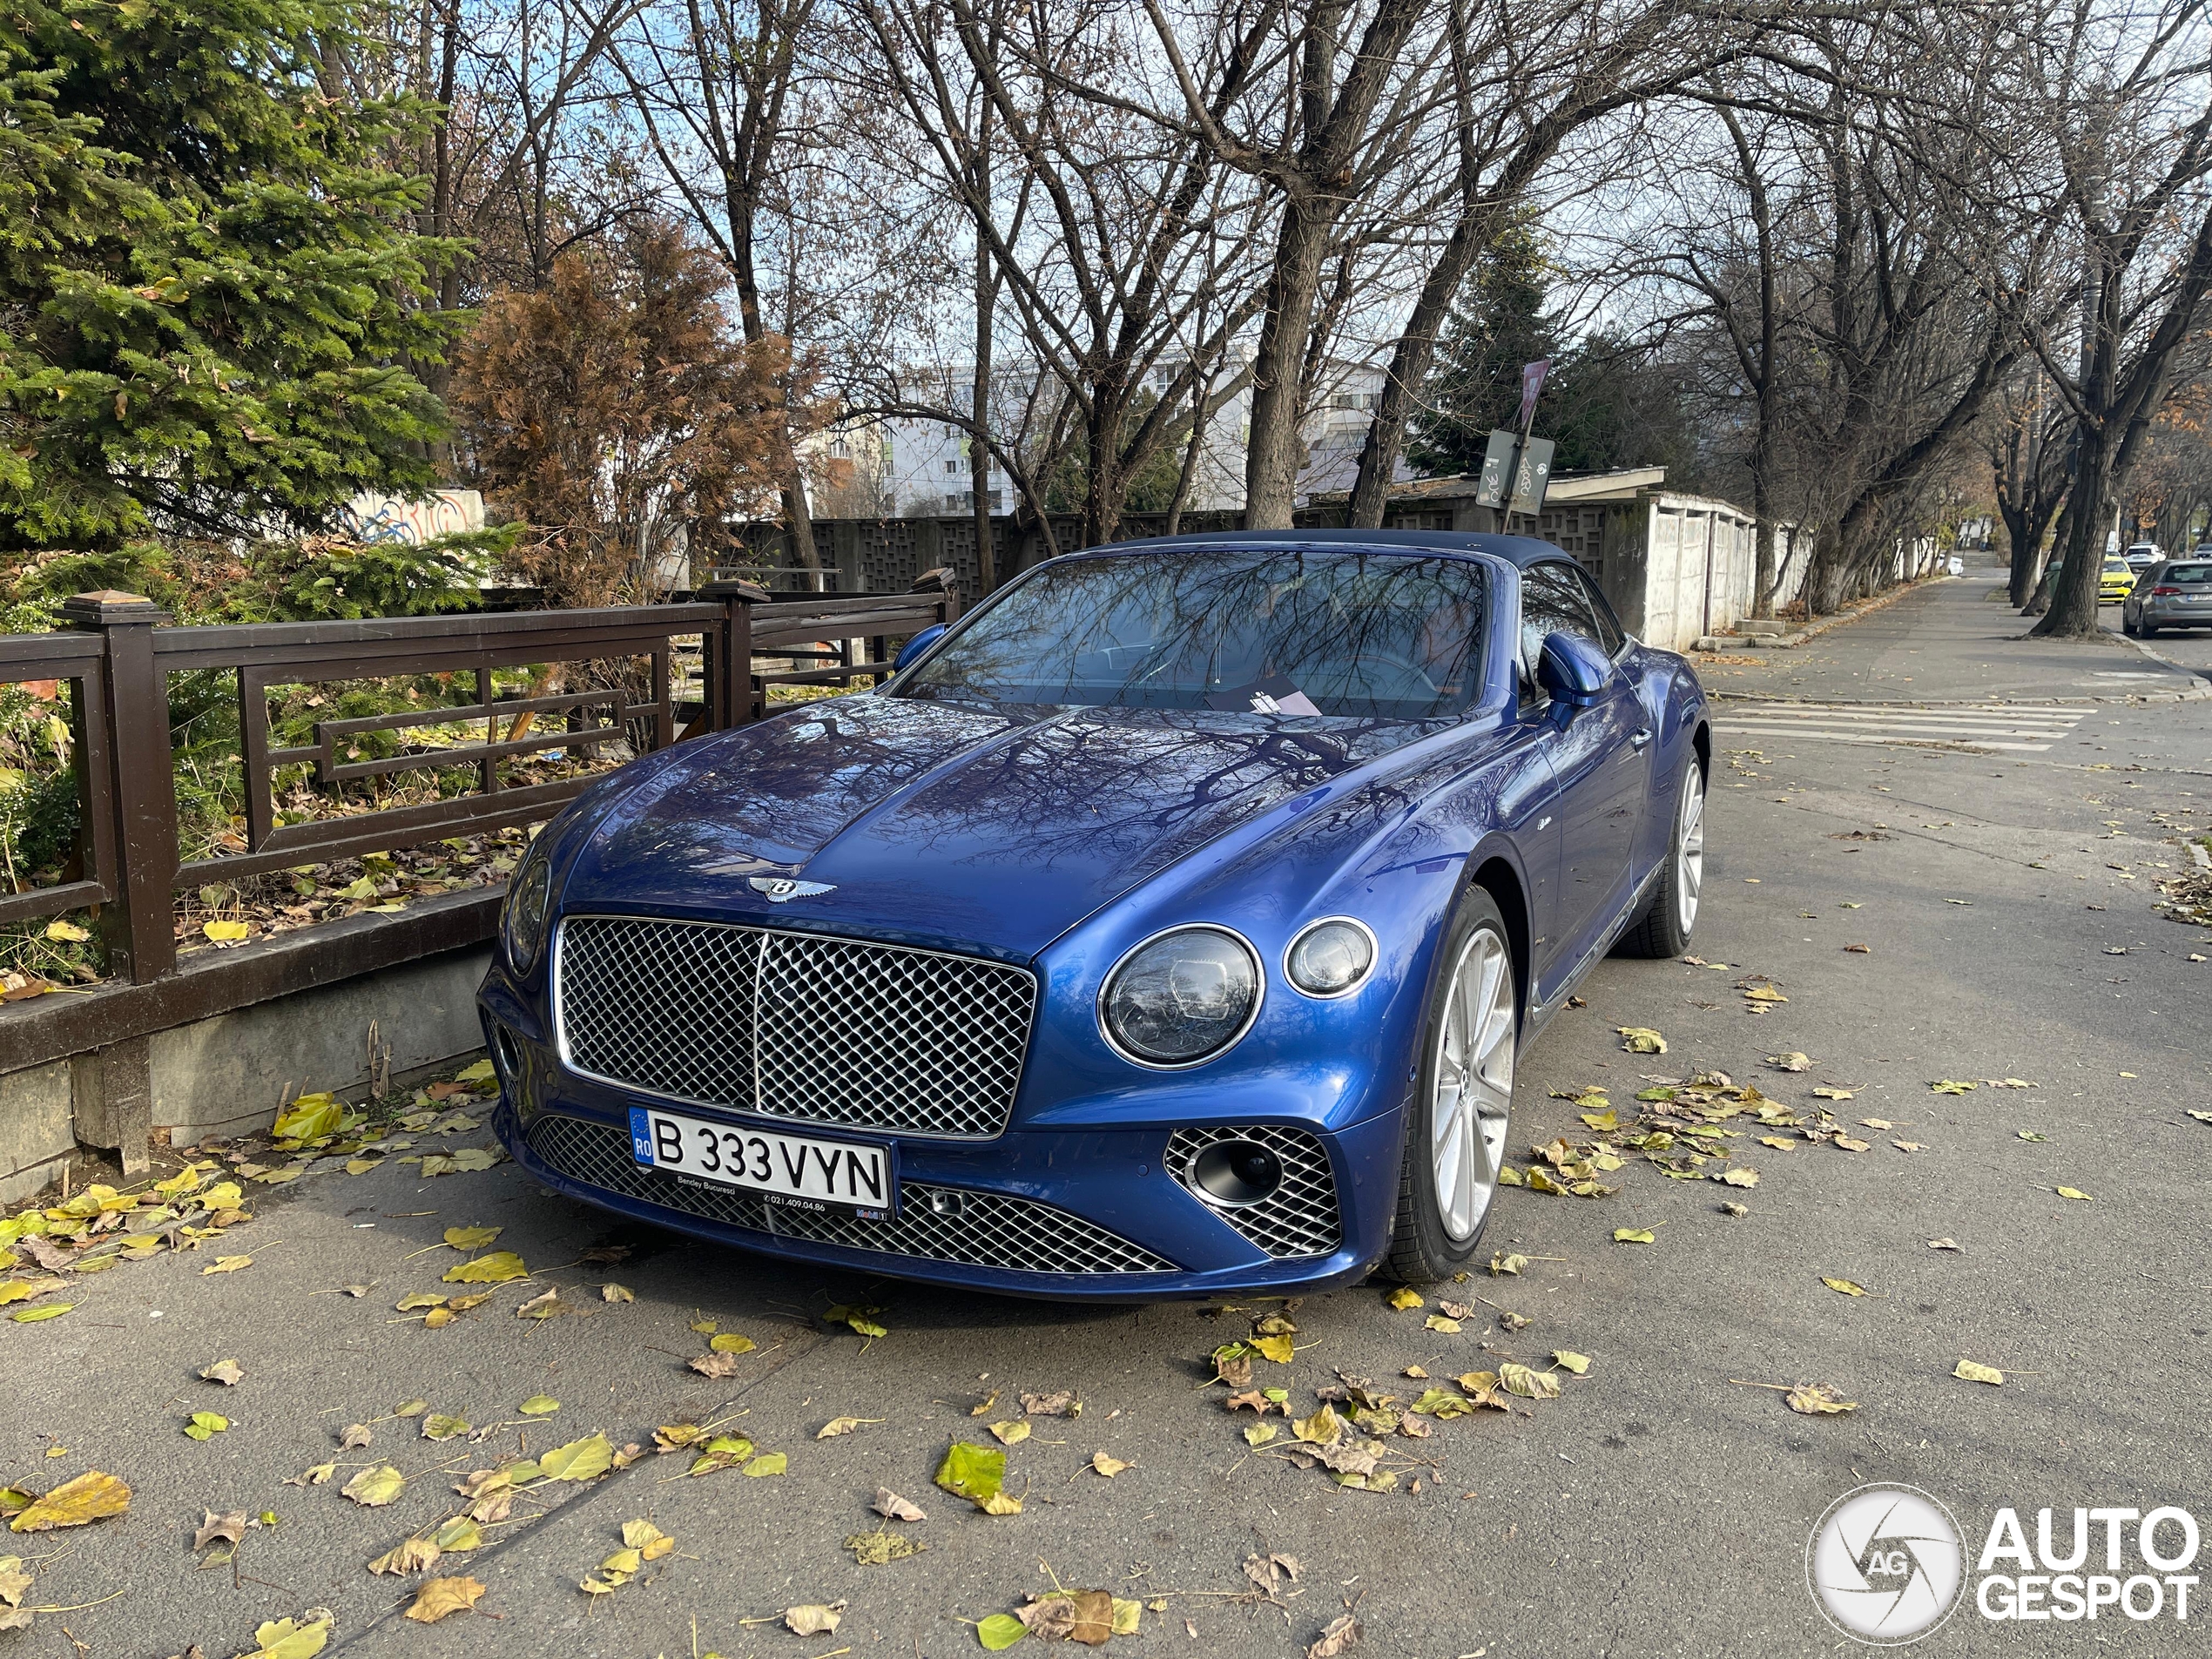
{"x":1181,"y":997}
{"x":524,"y":922}
{"x":1331,"y":957}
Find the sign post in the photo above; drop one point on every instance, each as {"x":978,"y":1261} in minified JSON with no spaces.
{"x":1517,"y":467}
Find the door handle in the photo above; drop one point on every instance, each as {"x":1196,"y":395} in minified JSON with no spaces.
{"x":1638,"y":739}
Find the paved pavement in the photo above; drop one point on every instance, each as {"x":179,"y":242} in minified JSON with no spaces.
{"x":1956,"y":641}
{"x":1660,"y":1507}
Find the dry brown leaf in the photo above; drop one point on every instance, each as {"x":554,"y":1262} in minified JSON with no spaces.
{"x":443,"y":1595}
{"x":408,"y":1556}
{"x":229,"y":1529}
{"x":1343,"y":1632}
{"x":814,"y":1620}
{"x":892,"y":1507}
{"x":1817,"y":1399}
{"x":1109,"y":1467}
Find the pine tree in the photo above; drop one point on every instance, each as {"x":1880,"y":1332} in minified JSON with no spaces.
{"x":1499,"y":325}
{"x":1606,"y":403}
{"x":209,"y":291}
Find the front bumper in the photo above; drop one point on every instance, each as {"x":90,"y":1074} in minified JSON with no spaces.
{"x":1068,"y":1211}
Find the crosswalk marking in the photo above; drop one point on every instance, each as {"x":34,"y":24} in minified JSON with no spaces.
{"x":1978,"y":725}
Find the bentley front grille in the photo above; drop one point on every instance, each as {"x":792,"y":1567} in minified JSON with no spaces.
{"x":1300,"y":1218}
{"x":794,"y":1026}
{"x":936,"y":1223}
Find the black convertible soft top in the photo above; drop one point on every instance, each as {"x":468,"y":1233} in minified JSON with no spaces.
{"x":1523,"y":551}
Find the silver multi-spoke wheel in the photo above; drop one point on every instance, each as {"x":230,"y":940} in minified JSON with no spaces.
{"x":1473,"y":1073}
{"x":1689,"y":849}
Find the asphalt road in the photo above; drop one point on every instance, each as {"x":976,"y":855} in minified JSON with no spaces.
{"x":1658,"y":1507}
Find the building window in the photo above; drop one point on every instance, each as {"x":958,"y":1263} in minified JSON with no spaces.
{"x":952,"y":464}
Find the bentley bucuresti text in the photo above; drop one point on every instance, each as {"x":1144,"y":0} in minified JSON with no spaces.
{"x":1170,"y":924}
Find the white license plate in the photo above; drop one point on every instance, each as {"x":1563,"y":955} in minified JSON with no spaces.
{"x":796,"y":1169}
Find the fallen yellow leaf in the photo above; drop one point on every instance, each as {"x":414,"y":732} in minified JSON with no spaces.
{"x":91,"y":1496}
{"x":442,"y":1595}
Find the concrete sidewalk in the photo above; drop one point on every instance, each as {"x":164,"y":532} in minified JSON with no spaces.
{"x":1954,"y":641}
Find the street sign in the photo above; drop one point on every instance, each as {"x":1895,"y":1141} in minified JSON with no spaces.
{"x":1531,"y":383}
{"x":1497,"y":469}
{"x":1533,"y":476}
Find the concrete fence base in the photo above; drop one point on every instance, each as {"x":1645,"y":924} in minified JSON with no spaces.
{"x":230,"y":1073}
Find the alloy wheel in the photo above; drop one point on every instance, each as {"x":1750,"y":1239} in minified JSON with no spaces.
{"x":1689,"y":850}
{"x":1473,"y":1073}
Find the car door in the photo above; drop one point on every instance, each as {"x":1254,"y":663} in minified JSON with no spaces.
{"x":1597,"y":753}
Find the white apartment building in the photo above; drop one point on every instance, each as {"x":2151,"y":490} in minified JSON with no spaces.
{"x":908,"y":467}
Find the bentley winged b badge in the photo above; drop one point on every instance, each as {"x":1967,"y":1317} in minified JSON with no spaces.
{"x":780,"y":889}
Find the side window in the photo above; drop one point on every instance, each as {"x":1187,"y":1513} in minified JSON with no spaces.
{"x":1553,"y":601}
{"x":1610,"y":631}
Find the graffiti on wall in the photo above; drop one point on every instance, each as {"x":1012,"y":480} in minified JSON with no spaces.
{"x":372,"y":518}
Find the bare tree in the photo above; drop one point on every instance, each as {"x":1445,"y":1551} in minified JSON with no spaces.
{"x":2026,"y":443}
{"x":1106,"y":236}
{"x":1533,"y":78}
{"x":2113,"y":113}
{"x":719,"y":87}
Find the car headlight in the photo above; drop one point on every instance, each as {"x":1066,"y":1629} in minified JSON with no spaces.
{"x":522,"y":922}
{"x":1181,"y":997}
{"x":1331,"y":957}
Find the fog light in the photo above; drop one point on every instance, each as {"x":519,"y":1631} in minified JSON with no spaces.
{"x":1236,"y":1173}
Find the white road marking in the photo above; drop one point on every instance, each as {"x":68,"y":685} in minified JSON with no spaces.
{"x":1978,"y":725}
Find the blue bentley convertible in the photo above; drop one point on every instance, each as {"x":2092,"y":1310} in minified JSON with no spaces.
{"x":1169,"y":925}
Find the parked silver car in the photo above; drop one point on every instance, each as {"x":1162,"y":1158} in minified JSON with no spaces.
{"x":2175,"y":593}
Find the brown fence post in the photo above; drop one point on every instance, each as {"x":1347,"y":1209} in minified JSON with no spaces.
{"x":139,"y":929}
{"x":943,"y":581}
{"x":731,"y":697}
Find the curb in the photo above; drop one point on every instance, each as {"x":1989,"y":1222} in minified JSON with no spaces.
{"x":2202,"y":676}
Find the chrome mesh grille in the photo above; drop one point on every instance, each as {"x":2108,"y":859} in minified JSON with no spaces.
{"x":982,"y":1230}
{"x":1300,"y":1218}
{"x":795,"y":1026}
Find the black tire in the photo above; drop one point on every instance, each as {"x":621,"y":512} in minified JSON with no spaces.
{"x":1422,"y":1251}
{"x":2148,"y":630}
{"x":1662,"y":927}
{"x":2126,"y":626}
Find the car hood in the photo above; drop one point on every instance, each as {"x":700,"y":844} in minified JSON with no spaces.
{"x":946,"y":824}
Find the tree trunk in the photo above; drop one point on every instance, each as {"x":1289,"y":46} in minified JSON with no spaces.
{"x":2072,"y":614}
{"x":1409,"y":367}
{"x":1276,"y":453}
{"x":979,"y":406}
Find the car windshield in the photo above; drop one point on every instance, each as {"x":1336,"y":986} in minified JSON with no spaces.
{"x":1262,"y":630}
{"x":2189,"y":576}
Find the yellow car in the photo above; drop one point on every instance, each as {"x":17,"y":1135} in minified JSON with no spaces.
{"x":2116,"y":582}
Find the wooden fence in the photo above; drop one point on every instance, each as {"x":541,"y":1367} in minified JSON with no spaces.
{"x":118,"y":657}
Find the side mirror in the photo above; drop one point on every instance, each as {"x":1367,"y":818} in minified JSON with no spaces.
{"x":914,"y":647}
{"x":1572,"y":670}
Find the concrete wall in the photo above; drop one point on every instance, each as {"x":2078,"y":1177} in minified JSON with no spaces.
{"x":35,"y":1130}
{"x":1679,"y":567}
{"x":227,"y":1074}
{"x":224,"y":1076}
